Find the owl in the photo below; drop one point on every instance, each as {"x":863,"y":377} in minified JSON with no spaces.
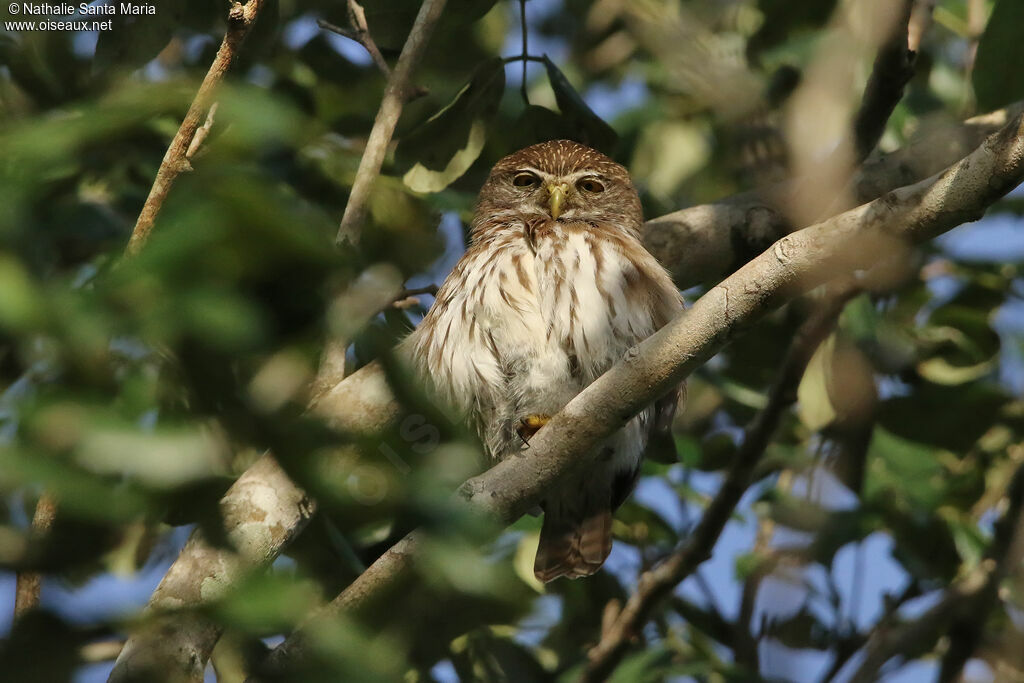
{"x":554,"y":288}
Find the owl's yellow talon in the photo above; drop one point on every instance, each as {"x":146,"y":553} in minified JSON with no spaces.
{"x":531,"y":424}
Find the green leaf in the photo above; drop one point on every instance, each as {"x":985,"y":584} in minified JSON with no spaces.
{"x":526,"y":550}
{"x":262,"y":602}
{"x":390,"y":20}
{"x":860,"y":319}
{"x":648,"y":666}
{"x":135,"y":39}
{"x":419,"y":178}
{"x":910,"y":470}
{"x":785,"y":18}
{"x":588,"y":127}
{"x":941,"y":371}
{"x":998,"y":77}
{"x":970,"y":541}
{"x":953,"y":417}
{"x":20,"y":305}
{"x":641,"y":526}
{"x":448,"y":143}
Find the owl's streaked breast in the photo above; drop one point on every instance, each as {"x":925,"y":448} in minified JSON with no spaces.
{"x":530,"y":316}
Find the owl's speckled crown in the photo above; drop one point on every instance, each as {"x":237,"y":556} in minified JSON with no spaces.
{"x":561,"y":157}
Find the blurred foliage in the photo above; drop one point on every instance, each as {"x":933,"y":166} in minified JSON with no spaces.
{"x":136,"y":390}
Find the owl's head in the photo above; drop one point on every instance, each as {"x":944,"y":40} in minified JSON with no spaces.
{"x":561,"y":181}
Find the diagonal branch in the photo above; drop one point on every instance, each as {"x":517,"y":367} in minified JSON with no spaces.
{"x":360,"y":32}
{"x":387,"y":119}
{"x":892,"y":70}
{"x":856,"y":239}
{"x":265,"y":513}
{"x":240,"y":21}
{"x":30,"y":583}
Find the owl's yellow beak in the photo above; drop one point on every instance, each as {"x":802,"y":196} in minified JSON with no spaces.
{"x":557,"y":198}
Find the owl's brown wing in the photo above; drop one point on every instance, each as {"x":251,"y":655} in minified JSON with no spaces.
{"x":661,"y":444}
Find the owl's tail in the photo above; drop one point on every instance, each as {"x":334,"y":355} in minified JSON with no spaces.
{"x":573,"y":543}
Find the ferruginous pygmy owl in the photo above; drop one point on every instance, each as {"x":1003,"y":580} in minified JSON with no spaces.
{"x":554,"y":288}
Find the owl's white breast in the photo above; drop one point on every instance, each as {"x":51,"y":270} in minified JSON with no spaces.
{"x":527,"y":320}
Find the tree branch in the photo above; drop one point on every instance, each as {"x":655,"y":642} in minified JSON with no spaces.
{"x":892,"y":70}
{"x":29,"y":584}
{"x":240,"y":21}
{"x":360,"y":32}
{"x":387,"y":119}
{"x":265,"y":511}
{"x":797,"y":263}
{"x":659,"y":582}
{"x":920,"y":22}
{"x":525,"y":33}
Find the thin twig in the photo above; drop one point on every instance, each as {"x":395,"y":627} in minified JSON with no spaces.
{"x":847,"y":646}
{"x":360,"y":32}
{"x":29,"y":584}
{"x":417,"y":291}
{"x":892,"y":70}
{"x":240,"y":21}
{"x":351,"y":35}
{"x":387,"y":118}
{"x":522,"y":58}
{"x":362,"y":36}
{"x":967,"y":630}
{"x":526,"y":51}
{"x":656,"y":584}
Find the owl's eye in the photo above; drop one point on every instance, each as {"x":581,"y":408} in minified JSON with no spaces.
{"x":591,"y":185}
{"x":525,"y":179}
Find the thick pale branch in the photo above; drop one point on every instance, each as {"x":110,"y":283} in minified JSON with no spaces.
{"x":893,"y":68}
{"x":265,"y":511}
{"x":856,"y":239}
